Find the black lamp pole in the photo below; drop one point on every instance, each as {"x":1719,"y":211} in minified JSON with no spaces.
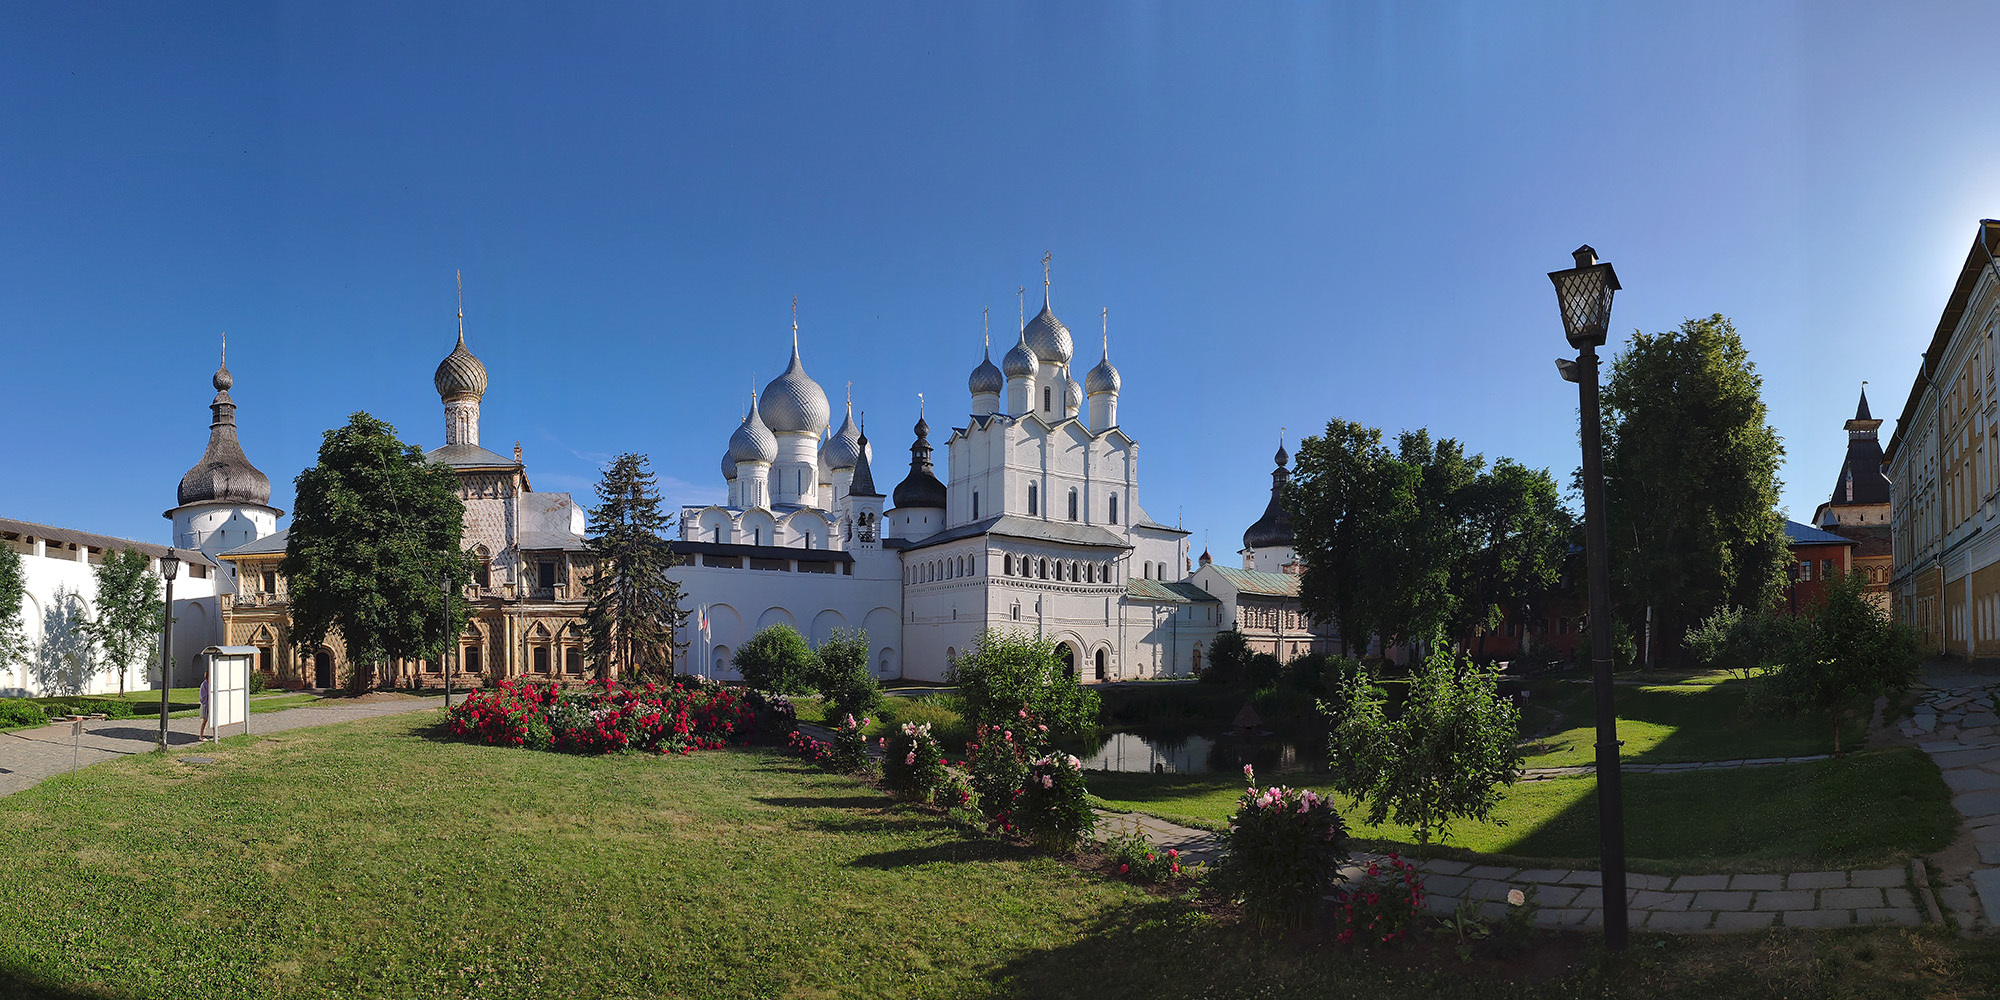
{"x":450,"y":644}
{"x":1584,"y":292}
{"x":170,"y":566}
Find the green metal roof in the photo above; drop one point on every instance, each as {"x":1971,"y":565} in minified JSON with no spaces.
{"x":1252,"y":581}
{"x":1161,"y":592}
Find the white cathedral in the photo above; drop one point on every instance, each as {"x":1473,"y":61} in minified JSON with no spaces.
{"x":1037,"y":527}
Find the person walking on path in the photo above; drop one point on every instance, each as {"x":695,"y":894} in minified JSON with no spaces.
{"x":203,"y":690}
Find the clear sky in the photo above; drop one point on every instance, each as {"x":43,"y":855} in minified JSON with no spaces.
{"x":1293,"y":213}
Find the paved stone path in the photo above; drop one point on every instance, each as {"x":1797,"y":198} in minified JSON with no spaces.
{"x":1628,"y":767}
{"x":1957,"y":722}
{"x":29,"y":756}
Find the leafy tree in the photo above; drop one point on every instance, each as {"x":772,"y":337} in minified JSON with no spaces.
{"x":1520,"y":535}
{"x":1849,"y":654}
{"x":777,"y":660}
{"x":13,"y":599}
{"x":1444,"y":758}
{"x":374,"y":542}
{"x":840,"y":673}
{"x":1691,"y":476}
{"x":633,"y":609}
{"x":1343,"y":486}
{"x":129,"y":610}
{"x":1006,"y":672}
{"x":1227,"y":656}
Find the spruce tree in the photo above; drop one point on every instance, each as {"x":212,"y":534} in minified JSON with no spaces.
{"x":634,"y":612}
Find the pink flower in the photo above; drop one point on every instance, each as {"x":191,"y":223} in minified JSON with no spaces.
{"x":910,"y":760}
{"x":1024,"y":713}
{"x":1248,"y":773}
{"x":1516,"y":897}
{"x":1043,"y":728}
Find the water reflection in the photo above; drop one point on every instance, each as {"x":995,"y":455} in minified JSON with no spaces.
{"x":1184,"y":752}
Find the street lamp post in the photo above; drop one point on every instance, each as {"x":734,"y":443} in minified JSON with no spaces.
{"x":170,"y":567}
{"x":1584,"y":293}
{"x":450,"y":642}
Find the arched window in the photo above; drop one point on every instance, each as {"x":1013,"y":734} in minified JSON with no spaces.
{"x":1072,"y":503}
{"x":1043,"y":567}
{"x":1033,"y":495}
{"x":1114,"y":508}
{"x":1149,"y":571}
{"x":1100,"y":664}
{"x":1072,"y":573}
{"x":1010,"y":564}
{"x":1045,"y":399}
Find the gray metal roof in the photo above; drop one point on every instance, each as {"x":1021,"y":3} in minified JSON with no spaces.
{"x":469,"y":456}
{"x":1806,"y":534}
{"x":683,"y":547}
{"x":1168,"y":592}
{"x":1033,"y":528}
{"x":30,"y":529}
{"x":268,"y":545}
{"x":543,"y":541}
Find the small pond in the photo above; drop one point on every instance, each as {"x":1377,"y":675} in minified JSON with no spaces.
{"x":1211,"y":751}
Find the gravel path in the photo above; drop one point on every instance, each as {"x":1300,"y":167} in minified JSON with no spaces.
{"x":28,"y":756}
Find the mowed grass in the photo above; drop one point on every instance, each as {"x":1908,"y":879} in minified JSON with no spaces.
{"x":1702,"y":717}
{"x":1861,"y":810}
{"x":366,"y":860}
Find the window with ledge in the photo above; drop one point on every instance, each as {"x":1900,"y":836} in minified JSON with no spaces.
{"x":1114,"y":508}
{"x":1072,"y":503}
{"x":546,"y":575}
{"x":1046,"y":396}
{"x":1034,"y":497}
{"x":270,"y":581}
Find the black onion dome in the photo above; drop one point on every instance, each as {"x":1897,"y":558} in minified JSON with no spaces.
{"x":1274,"y":529}
{"x":921,"y":487}
{"x":224,"y":474}
{"x":460,"y":374}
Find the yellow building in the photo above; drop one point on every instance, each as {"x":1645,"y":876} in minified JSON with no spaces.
{"x":1942,"y":467}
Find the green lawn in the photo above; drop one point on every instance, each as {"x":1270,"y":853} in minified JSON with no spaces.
{"x":1866,"y":809}
{"x":181,"y":702}
{"x":367,"y":860}
{"x":1701,"y":717}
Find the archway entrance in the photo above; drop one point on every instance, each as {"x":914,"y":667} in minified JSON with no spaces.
{"x":1067,"y":655}
{"x":323,"y":669}
{"x":1100,"y":664}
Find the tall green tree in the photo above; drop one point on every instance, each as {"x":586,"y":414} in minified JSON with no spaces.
{"x":1520,"y":536}
{"x":633,"y":612}
{"x":840,"y":674}
{"x":1343,"y":489}
{"x":1691,"y":477}
{"x":13,"y":602}
{"x":1428,"y":538}
{"x":375,"y":540}
{"x":129,"y":610}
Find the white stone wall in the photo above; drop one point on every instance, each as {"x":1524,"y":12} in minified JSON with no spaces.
{"x":61,"y":593}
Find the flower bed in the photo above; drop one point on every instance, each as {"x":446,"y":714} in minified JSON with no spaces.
{"x":1286,"y":846}
{"x":604,"y":717}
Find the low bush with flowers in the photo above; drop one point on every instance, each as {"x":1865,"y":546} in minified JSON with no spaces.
{"x":850,"y":747}
{"x":1285,"y":849}
{"x":999,"y":766}
{"x":776,"y":717}
{"x":816,"y":751}
{"x":1053,"y":809}
{"x":1379,"y":910}
{"x":604,"y":717}
{"x":913,"y":762}
{"x":1135,"y":857}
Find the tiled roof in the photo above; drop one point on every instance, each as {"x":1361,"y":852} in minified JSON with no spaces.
{"x":1251,"y":581}
{"x":1160,"y":592}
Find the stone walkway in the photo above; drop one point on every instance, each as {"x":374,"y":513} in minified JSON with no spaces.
{"x":1957,"y":722}
{"x":1627,"y":767}
{"x":29,"y":756}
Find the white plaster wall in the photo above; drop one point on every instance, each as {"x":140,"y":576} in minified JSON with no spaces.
{"x":196,"y":625}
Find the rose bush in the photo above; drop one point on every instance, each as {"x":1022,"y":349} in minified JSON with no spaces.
{"x":1285,"y":849}
{"x":1380,"y":909}
{"x":604,"y":717}
{"x":1053,"y":808}
{"x":999,"y":768}
{"x":1134,"y":856}
{"x":913,"y":762}
{"x":850,"y":747}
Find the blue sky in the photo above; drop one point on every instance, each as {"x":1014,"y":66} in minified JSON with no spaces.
{"x":1292,"y":212}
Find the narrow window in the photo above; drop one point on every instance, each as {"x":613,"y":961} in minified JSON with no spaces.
{"x":1033,"y":495}
{"x":270,"y":582}
{"x":1072,"y":503}
{"x":975,"y":505}
{"x":1149,"y":571}
{"x":1045,"y":399}
{"x":1044,"y":567}
{"x":1114,"y":508}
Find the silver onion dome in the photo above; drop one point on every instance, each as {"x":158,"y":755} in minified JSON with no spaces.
{"x":728,"y":466}
{"x":793,"y":402}
{"x":460,"y":374}
{"x":1019,"y":361}
{"x":1073,"y":393}
{"x":1102,"y":378}
{"x":1048,"y":338}
{"x":844,"y":448}
{"x":752,"y":441}
{"x":986,"y":378}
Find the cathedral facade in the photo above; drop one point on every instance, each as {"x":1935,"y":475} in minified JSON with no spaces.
{"x":1036,"y":527}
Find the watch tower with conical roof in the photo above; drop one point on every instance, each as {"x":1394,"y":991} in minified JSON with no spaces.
{"x":224,"y":501}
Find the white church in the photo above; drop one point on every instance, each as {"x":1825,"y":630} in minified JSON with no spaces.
{"x":1037,"y":527}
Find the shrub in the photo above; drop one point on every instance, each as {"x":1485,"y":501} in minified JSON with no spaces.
{"x":1139,"y":859}
{"x":603,"y":718}
{"x":850,"y":748}
{"x":21,"y":712}
{"x":1380,"y":910}
{"x":1005,"y":673}
{"x":816,"y":751}
{"x":778,"y":660}
{"x":1444,"y":757}
{"x":1285,"y":849}
{"x":942,"y":711}
{"x":841,"y":674}
{"x":912,"y":762}
{"x":1054,"y":807}
{"x":1227,"y":656}
{"x":776,"y":719}
{"x":956,"y":792}
{"x":1843,"y":655}
{"x":999,"y":769}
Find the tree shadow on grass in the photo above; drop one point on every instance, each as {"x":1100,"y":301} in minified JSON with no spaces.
{"x":957,"y":851}
{"x":17,"y":980}
{"x":886,"y":821}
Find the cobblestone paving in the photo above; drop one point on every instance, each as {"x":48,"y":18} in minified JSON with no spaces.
{"x":1958,"y":724}
{"x":29,"y":756}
